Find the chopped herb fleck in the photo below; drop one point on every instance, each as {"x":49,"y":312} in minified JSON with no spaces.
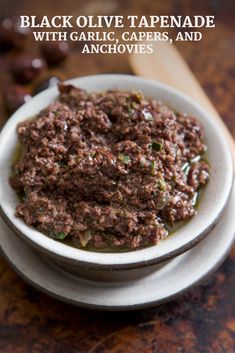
{"x":129,"y":109}
{"x":57,"y":114}
{"x":124,"y":158}
{"x":161,"y":184}
{"x":185,"y":168}
{"x":59,"y":235}
{"x":196,"y":159}
{"x":153,"y":167}
{"x":134,"y":105}
{"x":155,"y":145}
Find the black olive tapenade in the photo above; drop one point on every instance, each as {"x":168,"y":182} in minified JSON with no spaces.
{"x":109,"y":170}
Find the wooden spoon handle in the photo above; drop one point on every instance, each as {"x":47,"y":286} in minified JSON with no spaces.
{"x":167,"y":65}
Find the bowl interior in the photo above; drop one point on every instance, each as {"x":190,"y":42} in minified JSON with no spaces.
{"x":214,"y":198}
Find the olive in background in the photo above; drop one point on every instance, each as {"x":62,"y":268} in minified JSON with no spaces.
{"x":26,"y":68}
{"x":14,"y":96}
{"x":54,"y":52}
{"x":11,"y":34}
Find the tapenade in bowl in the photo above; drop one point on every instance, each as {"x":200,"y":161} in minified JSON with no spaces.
{"x":113,"y":172}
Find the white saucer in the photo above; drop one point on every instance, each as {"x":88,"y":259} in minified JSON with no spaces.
{"x":174,"y":278}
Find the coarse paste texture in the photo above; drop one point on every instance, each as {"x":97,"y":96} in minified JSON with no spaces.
{"x":109,"y":170}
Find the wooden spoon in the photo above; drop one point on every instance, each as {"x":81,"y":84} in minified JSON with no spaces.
{"x":168,"y":66}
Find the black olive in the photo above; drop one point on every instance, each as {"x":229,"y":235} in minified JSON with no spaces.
{"x":26,"y":68}
{"x":50,"y":82}
{"x":11,"y":34}
{"x":14,"y":96}
{"x":55,"y":52}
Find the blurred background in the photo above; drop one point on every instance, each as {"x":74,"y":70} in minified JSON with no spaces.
{"x":211,"y":59}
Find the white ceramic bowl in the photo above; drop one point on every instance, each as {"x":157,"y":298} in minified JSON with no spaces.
{"x":214,"y":199}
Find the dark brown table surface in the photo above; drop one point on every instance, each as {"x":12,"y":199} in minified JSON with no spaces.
{"x":201,"y":321}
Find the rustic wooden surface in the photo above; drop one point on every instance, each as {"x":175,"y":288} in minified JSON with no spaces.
{"x":201,"y":321}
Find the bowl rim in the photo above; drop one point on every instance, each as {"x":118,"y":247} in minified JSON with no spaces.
{"x":111,"y":260}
